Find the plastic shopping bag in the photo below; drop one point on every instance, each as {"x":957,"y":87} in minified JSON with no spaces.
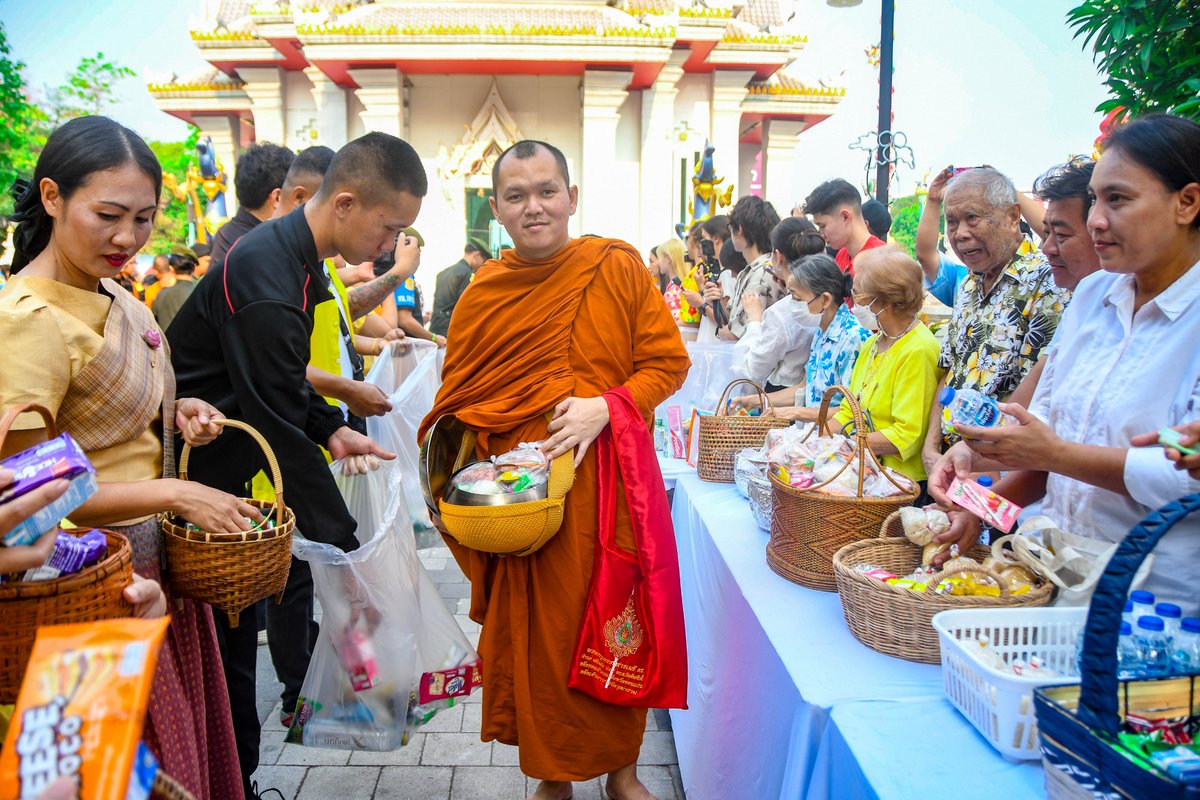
{"x":410,"y":376}
{"x":389,"y":655}
{"x":711,"y":371}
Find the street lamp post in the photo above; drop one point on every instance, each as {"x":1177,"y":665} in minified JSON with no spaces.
{"x":884,"y":145}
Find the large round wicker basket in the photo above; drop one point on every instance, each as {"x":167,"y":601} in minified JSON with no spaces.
{"x":723,"y":436}
{"x":808,"y":526}
{"x":897,"y":621}
{"x":232,"y":571}
{"x":91,"y":594}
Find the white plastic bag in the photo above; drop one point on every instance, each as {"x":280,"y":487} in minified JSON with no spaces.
{"x":389,"y":655}
{"x":710,"y":373}
{"x":410,"y":376}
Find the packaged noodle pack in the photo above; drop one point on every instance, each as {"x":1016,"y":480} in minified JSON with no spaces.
{"x":81,"y":708}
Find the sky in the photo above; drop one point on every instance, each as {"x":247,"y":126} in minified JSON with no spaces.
{"x":976,"y":81}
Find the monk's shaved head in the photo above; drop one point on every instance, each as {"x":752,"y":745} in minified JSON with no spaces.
{"x":528,"y":148}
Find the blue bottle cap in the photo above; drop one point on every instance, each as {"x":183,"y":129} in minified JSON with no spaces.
{"x":1191,"y":624}
{"x":947,"y":396}
{"x":1128,"y":607}
{"x":1168,"y":610}
{"x":1149,"y":623}
{"x":1143,"y":597}
{"x":985,"y":481}
{"x":1125,"y":629}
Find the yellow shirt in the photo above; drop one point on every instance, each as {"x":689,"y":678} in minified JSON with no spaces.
{"x":896,"y":390}
{"x":49,"y":332}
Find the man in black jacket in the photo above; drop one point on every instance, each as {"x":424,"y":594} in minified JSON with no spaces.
{"x":257,"y":184}
{"x":452,"y":282}
{"x":242,"y":344}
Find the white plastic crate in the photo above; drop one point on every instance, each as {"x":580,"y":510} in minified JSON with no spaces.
{"x":1000,"y":704}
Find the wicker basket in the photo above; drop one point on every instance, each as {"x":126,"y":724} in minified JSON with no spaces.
{"x":808,"y":526}
{"x":91,"y":594}
{"x":232,"y":571}
{"x":723,"y":436}
{"x":899,"y":622}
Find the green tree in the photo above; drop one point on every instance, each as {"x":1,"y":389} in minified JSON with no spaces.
{"x":1150,"y":50}
{"x":23,"y":128}
{"x":906,"y":213}
{"x":170,"y":224}
{"x":89,"y":88}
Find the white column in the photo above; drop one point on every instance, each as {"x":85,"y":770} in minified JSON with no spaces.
{"x":728,"y":92}
{"x":331,"y":108}
{"x":602,"y":95}
{"x":224,"y":131}
{"x":381,"y":92}
{"x":780,"y":138}
{"x":657,"y":165}
{"x":264,"y":85}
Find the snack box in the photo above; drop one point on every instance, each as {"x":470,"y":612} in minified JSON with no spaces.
{"x":57,"y":458}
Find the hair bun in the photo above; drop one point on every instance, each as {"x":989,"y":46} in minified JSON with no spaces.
{"x":19,"y":189}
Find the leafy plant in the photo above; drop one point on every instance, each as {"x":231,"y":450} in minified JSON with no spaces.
{"x":23,"y":128}
{"x":1150,"y":50}
{"x":906,"y":213}
{"x":89,"y":88}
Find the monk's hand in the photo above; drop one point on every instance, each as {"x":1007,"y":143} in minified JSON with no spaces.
{"x":576,"y":424}
{"x":194,"y":419}
{"x":346,"y":442}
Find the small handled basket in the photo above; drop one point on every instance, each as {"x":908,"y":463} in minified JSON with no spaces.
{"x":723,"y":436}
{"x":808,"y":526}
{"x":92,"y":594}
{"x":232,"y":571}
{"x":1078,"y":724}
{"x":899,"y":622}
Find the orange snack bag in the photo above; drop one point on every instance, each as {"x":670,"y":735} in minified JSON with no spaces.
{"x":82,"y":708}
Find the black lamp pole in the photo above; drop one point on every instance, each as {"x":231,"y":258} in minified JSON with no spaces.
{"x":882,"y":154}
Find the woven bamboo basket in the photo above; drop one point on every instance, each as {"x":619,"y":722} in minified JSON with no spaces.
{"x":91,"y":594}
{"x":232,"y":571}
{"x":899,"y":622}
{"x":808,"y":526}
{"x":167,"y":788}
{"x":723,"y":436}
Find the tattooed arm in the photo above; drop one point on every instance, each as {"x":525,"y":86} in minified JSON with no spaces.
{"x":366,"y":296}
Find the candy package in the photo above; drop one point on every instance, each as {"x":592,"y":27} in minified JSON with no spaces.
{"x":71,"y":554}
{"x":82,"y":708}
{"x":509,"y":473}
{"x":58,"y":458}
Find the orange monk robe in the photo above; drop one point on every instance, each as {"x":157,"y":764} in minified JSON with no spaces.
{"x":525,"y":336}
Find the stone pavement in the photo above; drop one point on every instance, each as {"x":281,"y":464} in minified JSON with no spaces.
{"x":446,"y":760}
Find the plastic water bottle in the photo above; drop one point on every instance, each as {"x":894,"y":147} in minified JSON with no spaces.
{"x":1127,"y":614}
{"x":1127,"y":653}
{"x":1143,"y":604}
{"x":1171,"y":615}
{"x":1185,"y":656}
{"x":1153,"y":648}
{"x":969,"y":407}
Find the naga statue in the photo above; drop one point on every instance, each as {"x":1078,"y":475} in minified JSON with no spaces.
{"x":707,"y":198}
{"x":210,"y":177}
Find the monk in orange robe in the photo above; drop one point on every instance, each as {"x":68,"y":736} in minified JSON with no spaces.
{"x":549,"y":327}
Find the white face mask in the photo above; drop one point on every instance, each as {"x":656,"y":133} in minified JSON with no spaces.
{"x":803,"y":314}
{"x":866,"y":317}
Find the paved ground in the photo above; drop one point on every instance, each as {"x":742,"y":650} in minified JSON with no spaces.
{"x":444,"y":762}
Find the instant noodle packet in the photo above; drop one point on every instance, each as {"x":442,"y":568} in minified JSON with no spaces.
{"x":82,"y":708}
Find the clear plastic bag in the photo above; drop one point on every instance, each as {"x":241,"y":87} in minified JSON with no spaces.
{"x":711,"y":371}
{"x":410,"y":376}
{"x":390,"y":654}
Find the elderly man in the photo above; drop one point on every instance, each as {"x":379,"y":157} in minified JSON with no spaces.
{"x":599,"y":324}
{"x":1009,"y":305}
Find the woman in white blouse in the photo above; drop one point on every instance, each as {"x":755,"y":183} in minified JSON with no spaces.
{"x":774,"y":349}
{"x":1127,"y":360}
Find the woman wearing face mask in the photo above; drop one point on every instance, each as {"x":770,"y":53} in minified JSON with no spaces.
{"x":896,"y":372}
{"x":1126,"y":363}
{"x":774,"y":349}
{"x":820,"y":287}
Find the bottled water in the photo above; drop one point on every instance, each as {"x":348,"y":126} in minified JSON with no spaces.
{"x":1127,"y":653}
{"x":1185,"y":656}
{"x":969,"y":407}
{"x":1153,"y":648}
{"x":1171,"y":615}
{"x":1127,"y":614}
{"x":1143,"y":604}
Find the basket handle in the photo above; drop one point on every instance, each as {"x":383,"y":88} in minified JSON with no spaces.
{"x":10,"y":416}
{"x":272,"y":463}
{"x":763,"y":400}
{"x":1098,"y":708}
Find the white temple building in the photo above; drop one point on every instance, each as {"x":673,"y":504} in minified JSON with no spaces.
{"x":630,"y":90}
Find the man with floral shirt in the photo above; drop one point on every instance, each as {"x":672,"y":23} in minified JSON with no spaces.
{"x":1009,"y":305}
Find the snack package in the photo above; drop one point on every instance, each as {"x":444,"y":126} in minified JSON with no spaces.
{"x":82,"y":708}
{"x":990,"y":507}
{"x":922,"y":526}
{"x":675,"y":432}
{"x":58,"y":458}
{"x":71,"y":554}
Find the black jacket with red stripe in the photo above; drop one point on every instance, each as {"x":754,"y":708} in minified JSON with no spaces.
{"x":241,"y":342}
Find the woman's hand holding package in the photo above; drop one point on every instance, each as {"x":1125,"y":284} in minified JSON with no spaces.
{"x":1030,"y":445}
{"x":194,"y":419}
{"x":213,"y":510}
{"x":1191,"y":436}
{"x":957,"y":462}
{"x":576,"y":424}
{"x":17,"y":510}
